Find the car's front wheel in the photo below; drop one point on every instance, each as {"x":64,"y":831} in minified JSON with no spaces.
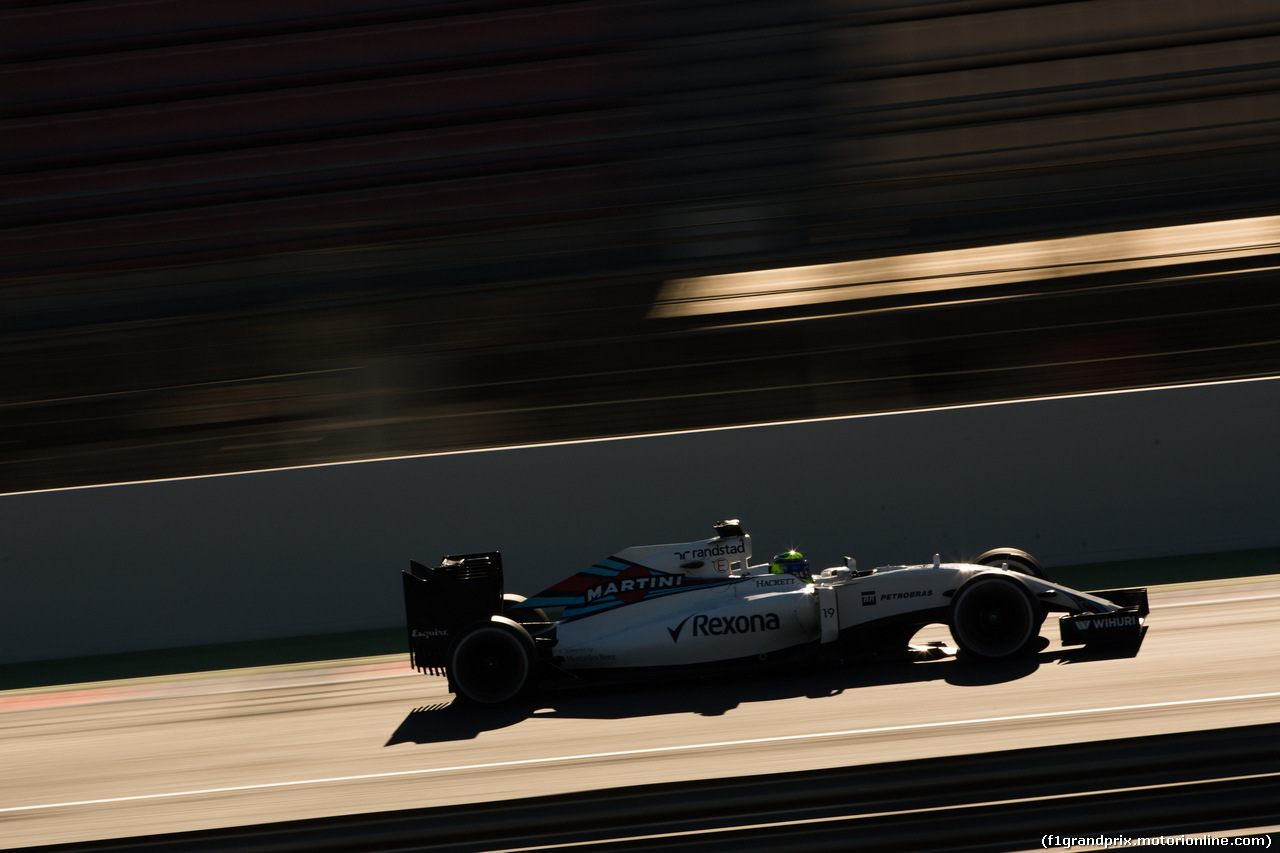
{"x":492,"y":662}
{"x":1018,"y":561}
{"x":995,"y":617}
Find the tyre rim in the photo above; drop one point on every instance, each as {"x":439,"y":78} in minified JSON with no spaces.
{"x":1002,"y":620}
{"x":490,"y":666}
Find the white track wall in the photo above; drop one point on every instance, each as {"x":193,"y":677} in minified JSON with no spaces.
{"x":316,"y":550}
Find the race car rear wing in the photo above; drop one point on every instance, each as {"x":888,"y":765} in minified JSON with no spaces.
{"x":439,"y":600}
{"x":1121,"y":625}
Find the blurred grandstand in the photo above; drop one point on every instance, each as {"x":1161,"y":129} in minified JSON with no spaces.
{"x":240,"y":235}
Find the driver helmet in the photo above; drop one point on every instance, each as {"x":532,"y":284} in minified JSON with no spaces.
{"x":792,"y":562}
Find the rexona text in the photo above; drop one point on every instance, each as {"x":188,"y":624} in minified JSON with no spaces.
{"x":702,"y":625}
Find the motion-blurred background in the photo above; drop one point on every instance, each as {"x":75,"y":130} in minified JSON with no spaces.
{"x":239,"y":235}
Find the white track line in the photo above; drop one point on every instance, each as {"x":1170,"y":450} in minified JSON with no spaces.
{"x":1215,"y":601}
{"x":650,"y":751}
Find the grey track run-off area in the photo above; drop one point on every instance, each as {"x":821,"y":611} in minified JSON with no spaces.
{"x":253,"y":746}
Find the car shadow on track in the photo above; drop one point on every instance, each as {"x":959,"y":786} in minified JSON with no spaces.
{"x":715,"y":696}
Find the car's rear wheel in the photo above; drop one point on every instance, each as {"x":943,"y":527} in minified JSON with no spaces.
{"x":995,"y":617}
{"x":512,"y":608}
{"x":492,"y":662}
{"x":1018,"y":561}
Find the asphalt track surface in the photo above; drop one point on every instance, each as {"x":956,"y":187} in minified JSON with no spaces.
{"x":244,"y":747}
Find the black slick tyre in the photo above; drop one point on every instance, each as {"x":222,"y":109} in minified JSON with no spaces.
{"x":1018,"y":561}
{"x":492,"y":662}
{"x":995,"y":617}
{"x":512,"y":609}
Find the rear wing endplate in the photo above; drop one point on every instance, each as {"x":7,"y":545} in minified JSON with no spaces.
{"x":439,"y":600}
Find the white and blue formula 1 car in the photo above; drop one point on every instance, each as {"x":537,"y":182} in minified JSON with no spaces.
{"x":667,"y":609}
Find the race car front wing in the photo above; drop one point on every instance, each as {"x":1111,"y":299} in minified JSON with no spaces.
{"x":1121,"y":625}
